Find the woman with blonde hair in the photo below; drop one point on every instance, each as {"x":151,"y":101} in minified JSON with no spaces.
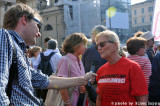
{"x":120,"y":79}
{"x":33,"y":53}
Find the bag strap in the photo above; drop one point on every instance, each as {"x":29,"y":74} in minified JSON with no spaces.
{"x":12,"y":72}
{"x":69,"y":67}
{"x":51,"y":54}
{"x":47,"y":57}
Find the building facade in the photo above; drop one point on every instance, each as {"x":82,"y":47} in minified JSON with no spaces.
{"x":4,"y":5}
{"x":63,"y":17}
{"x":53,"y":18}
{"x":142,"y":14}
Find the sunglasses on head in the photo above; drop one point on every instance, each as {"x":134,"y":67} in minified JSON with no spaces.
{"x":39,"y":23}
{"x":102,"y":44}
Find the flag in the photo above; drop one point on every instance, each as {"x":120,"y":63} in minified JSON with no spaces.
{"x":156,"y":21}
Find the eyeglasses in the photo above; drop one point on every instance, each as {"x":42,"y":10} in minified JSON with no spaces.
{"x":102,"y":44}
{"x":39,"y":23}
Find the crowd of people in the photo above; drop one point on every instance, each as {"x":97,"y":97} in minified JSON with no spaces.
{"x":18,"y":80}
{"x":124,"y":76}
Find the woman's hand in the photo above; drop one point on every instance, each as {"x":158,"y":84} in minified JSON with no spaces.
{"x":82,"y":89}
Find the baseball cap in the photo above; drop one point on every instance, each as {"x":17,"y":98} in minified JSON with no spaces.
{"x":147,"y":35}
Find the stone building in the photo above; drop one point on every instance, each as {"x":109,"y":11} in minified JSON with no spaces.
{"x":53,"y":19}
{"x":142,"y":14}
{"x":63,"y":17}
{"x":4,"y":5}
{"x":53,"y":25}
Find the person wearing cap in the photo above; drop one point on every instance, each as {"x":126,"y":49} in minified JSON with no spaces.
{"x":150,"y":42}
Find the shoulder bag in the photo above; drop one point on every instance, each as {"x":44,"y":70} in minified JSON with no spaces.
{"x":54,"y":97}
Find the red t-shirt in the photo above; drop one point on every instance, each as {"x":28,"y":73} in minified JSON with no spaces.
{"x":120,"y":83}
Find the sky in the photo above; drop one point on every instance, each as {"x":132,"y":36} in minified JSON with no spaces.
{"x":132,"y":1}
{"x":136,"y":1}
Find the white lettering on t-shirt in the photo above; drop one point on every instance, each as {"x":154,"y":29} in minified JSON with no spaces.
{"x":112,"y":80}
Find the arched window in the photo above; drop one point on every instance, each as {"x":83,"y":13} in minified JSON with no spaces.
{"x":48,"y":28}
{"x":56,"y":1}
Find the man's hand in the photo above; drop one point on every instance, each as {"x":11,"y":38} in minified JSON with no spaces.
{"x":62,"y":82}
{"x":87,"y":76}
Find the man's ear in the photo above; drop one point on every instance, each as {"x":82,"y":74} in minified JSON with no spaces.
{"x":24,"y":20}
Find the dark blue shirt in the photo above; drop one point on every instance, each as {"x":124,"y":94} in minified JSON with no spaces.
{"x":154,"y":86}
{"x":90,"y":55}
{"x":150,"y":54}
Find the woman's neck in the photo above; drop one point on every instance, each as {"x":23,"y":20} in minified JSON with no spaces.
{"x":113,"y":59}
{"x":76,"y":54}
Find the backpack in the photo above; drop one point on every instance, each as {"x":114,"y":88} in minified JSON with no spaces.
{"x":45,"y":65}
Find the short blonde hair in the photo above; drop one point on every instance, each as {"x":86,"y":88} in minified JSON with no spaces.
{"x":110,"y":35}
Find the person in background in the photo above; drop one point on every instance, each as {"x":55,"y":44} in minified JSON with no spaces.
{"x":154,"y":86}
{"x":46,"y":40}
{"x":136,"y":47}
{"x":158,"y":47}
{"x":33,"y":53}
{"x":73,"y":45}
{"x":21,"y":26}
{"x":91,"y":54}
{"x":54,"y":59}
{"x":51,"y":47}
{"x":45,"y":43}
{"x":122,"y":52}
{"x":120,"y":79}
{"x":150,"y":42}
{"x":124,"y":48}
{"x":138,"y":34}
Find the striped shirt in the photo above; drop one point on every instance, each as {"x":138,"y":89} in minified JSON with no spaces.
{"x":28,"y":78}
{"x":144,"y":63}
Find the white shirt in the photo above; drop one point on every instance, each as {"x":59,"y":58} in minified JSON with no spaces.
{"x":54,"y":59}
{"x":32,"y":60}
